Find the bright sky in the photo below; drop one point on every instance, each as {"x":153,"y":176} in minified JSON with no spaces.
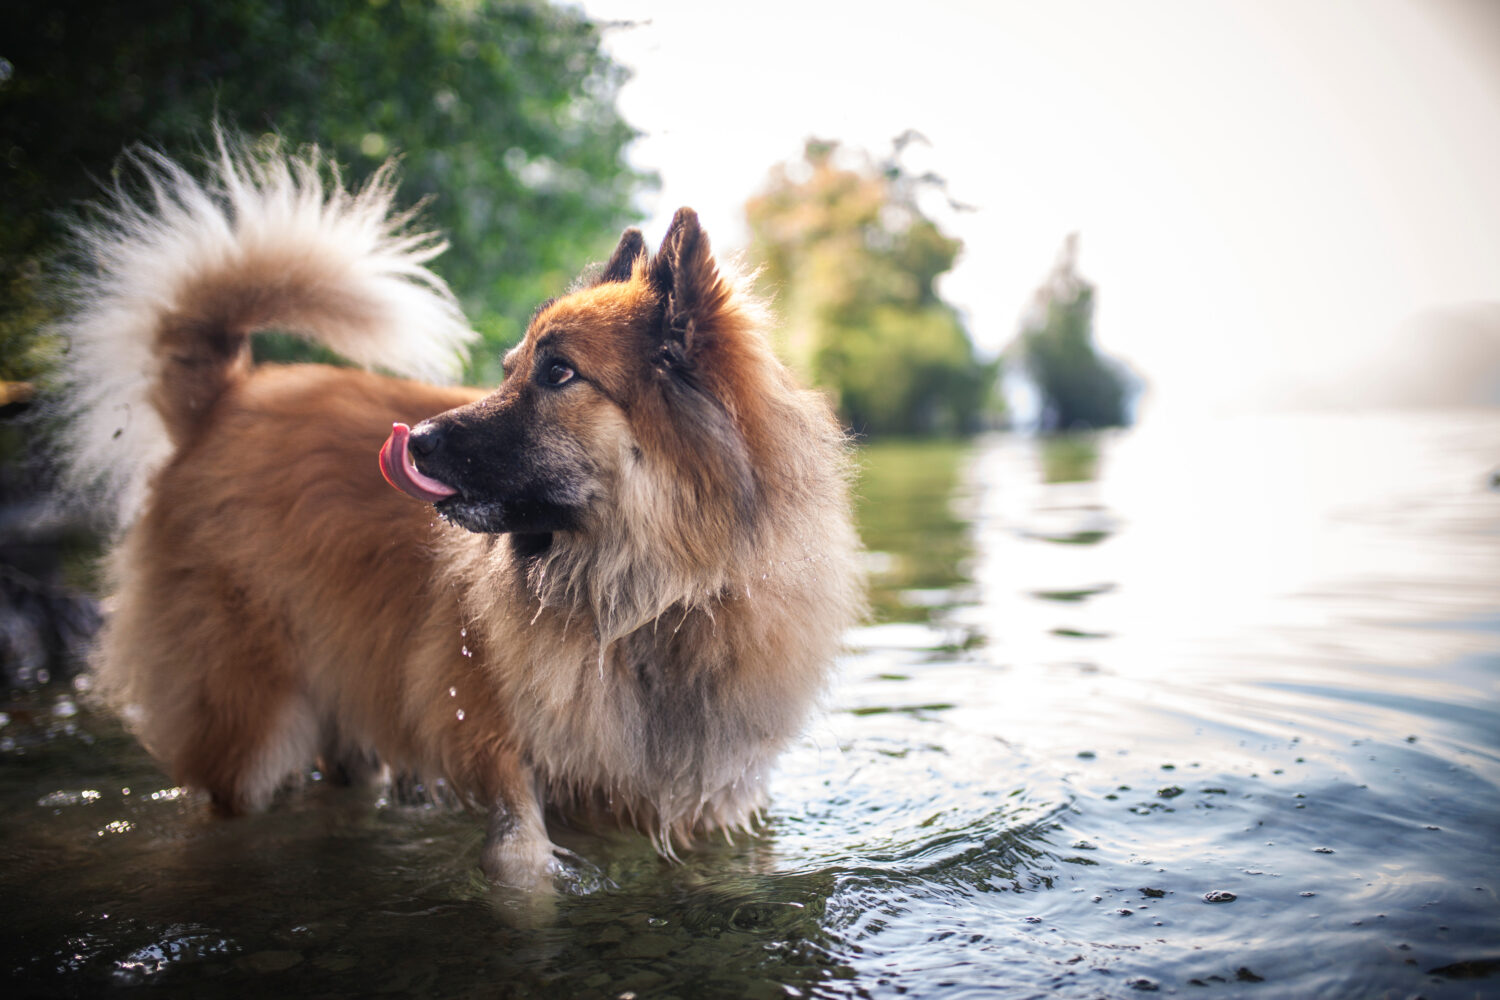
{"x":1265,"y":190}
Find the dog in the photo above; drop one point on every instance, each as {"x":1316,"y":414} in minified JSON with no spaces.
{"x":608,"y":592}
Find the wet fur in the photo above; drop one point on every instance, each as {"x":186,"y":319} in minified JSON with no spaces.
{"x":662,"y":563}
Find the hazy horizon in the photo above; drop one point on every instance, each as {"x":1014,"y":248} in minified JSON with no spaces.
{"x":1278,"y":201}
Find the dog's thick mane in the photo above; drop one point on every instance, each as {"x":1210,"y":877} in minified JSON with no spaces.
{"x":666,"y":578}
{"x":677,"y":553}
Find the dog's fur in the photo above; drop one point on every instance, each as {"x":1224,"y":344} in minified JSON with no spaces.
{"x":623,"y":614}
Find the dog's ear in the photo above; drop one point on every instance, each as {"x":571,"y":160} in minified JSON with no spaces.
{"x":622,"y":262}
{"x":693,"y":298}
{"x":684,"y":274}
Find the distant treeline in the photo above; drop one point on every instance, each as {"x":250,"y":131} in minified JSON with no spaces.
{"x":853,"y":261}
{"x":504,"y":117}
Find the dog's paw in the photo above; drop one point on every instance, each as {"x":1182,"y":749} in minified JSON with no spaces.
{"x":519,"y":862}
{"x":541,"y":866}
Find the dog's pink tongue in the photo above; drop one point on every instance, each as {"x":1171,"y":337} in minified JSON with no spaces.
{"x":398,"y":469}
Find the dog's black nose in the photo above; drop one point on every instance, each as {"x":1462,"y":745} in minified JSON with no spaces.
{"x":426,"y":438}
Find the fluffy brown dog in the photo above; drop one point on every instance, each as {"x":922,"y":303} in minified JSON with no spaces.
{"x":634,"y":582}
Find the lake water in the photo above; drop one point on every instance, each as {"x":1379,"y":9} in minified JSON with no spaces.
{"x":1207,"y":712}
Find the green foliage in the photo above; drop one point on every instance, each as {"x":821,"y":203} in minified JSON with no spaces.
{"x":503,"y":114}
{"x":26,"y":354}
{"x":1079,"y":388}
{"x":854,"y":262}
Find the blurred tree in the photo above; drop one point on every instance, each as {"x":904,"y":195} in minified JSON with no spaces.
{"x":503,"y":113}
{"x":1079,"y":388}
{"x":854,"y":262}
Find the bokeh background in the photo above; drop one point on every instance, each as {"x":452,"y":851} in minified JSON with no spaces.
{"x":1279,"y":203}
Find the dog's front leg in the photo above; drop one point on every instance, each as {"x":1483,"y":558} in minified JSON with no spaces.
{"x":517,"y":851}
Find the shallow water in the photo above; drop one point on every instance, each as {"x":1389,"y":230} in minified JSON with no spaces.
{"x":1211,"y":712}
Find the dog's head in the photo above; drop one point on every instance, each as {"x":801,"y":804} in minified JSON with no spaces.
{"x":624,"y":409}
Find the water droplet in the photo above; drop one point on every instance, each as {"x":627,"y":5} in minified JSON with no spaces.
{"x":467,"y":652}
{"x":459,"y":715}
{"x":453,"y":692}
{"x":463,"y":633}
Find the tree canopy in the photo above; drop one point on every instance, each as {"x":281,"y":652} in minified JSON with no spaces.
{"x":503,"y":114}
{"x":1080,"y":389}
{"x":853,"y":261}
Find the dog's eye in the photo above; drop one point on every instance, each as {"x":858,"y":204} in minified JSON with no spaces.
{"x":558,"y":373}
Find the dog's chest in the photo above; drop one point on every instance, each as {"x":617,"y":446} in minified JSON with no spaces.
{"x":682,"y":713}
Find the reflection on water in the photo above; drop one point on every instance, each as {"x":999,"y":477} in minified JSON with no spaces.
{"x":919,"y":541}
{"x":1184,"y":711}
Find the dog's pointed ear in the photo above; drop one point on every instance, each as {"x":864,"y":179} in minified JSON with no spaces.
{"x":684,"y":274}
{"x":622,"y":262}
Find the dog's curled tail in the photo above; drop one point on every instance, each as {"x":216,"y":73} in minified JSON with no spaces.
{"x":175,"y":278}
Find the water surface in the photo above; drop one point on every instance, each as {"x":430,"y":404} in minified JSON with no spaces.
{"x":1209,"y":712}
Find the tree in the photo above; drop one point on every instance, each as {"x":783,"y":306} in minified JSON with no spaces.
{"x":1079,"y":388}
{"x":854,"y":262}
{"x":503,"y":114}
